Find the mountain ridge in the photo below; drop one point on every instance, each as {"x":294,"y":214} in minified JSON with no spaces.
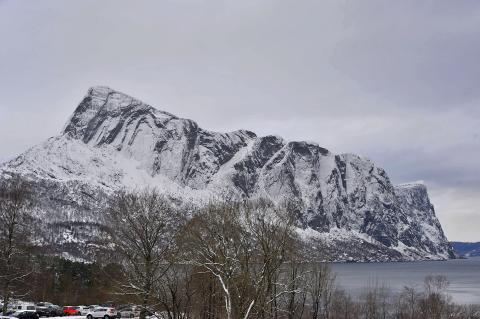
{"x":113,"y":140}
{"x":466,"y":249}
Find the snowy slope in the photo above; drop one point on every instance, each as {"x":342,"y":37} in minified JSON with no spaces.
{"x":113,"y":140}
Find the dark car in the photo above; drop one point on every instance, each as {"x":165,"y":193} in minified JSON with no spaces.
{"x":46,"y":309}
{"x":9,"y":312}
{"x":43,"y":309}
{"x":56,"y":311}
{"x":26,"y":315}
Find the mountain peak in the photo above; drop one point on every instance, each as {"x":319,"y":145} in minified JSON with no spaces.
{"x":419,"y":185}
{"x":104,"y":94}
{"x":98,"y":89}
{"x":104,"y":111}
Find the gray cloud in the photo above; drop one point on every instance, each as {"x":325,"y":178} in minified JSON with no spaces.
{"x":414,"y":53}
{"x":395,"y":82}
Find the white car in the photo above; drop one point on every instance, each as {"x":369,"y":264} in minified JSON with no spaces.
{"x":129,"y":312}
{"x":102,"y":312}
{"x":25,"y":307}
{"x":84,"y":310}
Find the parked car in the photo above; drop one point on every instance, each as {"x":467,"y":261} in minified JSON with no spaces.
{"x":8,"y":313}
{"x":102,"y":312}
{"x":84,"y":310}
{"x":42,"y":309}
{"x":129,"y":312}
{"x":72,"y":311}
{"x":17,"y":308}
{"x":25,"y":314}
{"x":25,"y":307}
{"x":47,"y":309}
{"x":56,"y":311}
{"x":52,"y":311}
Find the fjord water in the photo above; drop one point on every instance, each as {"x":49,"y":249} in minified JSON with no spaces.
{"x":463,"y":275}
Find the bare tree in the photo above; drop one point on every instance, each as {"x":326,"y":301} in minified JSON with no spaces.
{"x":216,"y":243}
{"x":295,"y":280}
{"x":343,"y":307}
{"x":320,"y":287}
{"x":271,"y":228}
{"x":142,"y":225}
{"x":436,"y":301}
{"x":375,"y":302}
{"x":176,"y":292}
{"x":15,"y":267}
{"x":243,"y":245}
{"x":407,"y":304}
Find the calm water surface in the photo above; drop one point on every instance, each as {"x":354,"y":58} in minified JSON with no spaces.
{"x":463,"y":275}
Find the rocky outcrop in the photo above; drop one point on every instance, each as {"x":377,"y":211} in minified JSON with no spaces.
{"x":113,"y":140}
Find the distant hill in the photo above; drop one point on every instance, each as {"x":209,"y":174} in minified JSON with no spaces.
{"x":466,"y":249}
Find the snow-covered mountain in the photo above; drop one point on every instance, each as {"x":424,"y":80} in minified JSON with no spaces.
{"x":113,"y":140}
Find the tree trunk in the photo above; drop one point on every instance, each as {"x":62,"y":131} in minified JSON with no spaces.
{"x":6,"y":298}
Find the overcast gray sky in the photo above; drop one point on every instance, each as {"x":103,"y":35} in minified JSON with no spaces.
{"x":395,"y":81}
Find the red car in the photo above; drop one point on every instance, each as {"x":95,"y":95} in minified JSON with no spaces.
{"x":71,"y":311}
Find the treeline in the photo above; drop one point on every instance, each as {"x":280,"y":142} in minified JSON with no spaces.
{"x":227,"y":259}
{"x":64,"y":282}
{"x":190,"y":292}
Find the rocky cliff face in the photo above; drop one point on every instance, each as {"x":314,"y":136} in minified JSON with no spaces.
{"x":113,"y":140}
